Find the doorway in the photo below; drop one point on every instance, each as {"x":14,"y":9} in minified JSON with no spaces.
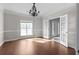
{"x":58,"y":29}
{"x":55,"y":29}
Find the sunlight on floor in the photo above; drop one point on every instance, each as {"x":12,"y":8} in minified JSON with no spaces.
{"x":39,"y":40}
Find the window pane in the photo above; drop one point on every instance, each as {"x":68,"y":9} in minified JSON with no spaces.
{"x":23,"y":32}
{"x":23,"y":25}
{"x":25,"y":29}
{"x":29,"y":25}
{"x":29,"y":31}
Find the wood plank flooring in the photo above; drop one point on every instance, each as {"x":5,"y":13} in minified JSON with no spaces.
{"x":34,"y":46}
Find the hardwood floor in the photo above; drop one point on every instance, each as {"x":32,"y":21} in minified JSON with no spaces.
{"x":35,"y":46}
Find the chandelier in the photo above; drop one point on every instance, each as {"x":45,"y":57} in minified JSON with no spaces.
{"x":33,"y":11}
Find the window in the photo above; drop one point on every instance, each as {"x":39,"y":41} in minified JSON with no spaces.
{"x":25,"y":29}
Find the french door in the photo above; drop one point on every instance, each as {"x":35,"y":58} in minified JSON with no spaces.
{"x":64,"y":30}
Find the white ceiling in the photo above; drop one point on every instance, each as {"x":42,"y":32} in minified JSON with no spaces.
{"x":44,"y":8}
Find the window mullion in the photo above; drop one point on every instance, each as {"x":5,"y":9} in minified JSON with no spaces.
{"x":26,"y":29}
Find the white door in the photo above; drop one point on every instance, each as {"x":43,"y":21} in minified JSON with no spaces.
{"x":64,"y":30}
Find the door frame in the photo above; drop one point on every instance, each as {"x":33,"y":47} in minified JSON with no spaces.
{"x":67,"y":29}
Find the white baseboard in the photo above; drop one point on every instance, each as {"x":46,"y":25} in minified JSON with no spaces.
{"x":10,"y":40}
{"x":1,"y":43}
{"x":15,"y":39}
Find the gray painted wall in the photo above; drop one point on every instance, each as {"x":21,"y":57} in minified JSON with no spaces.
{"x":71,"y":24}
{"x":1,"y":24}
{"x":77,"y":28}
{"x":12,"y":26}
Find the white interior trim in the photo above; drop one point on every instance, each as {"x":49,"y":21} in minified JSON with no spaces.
{"x":1,"y":43}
